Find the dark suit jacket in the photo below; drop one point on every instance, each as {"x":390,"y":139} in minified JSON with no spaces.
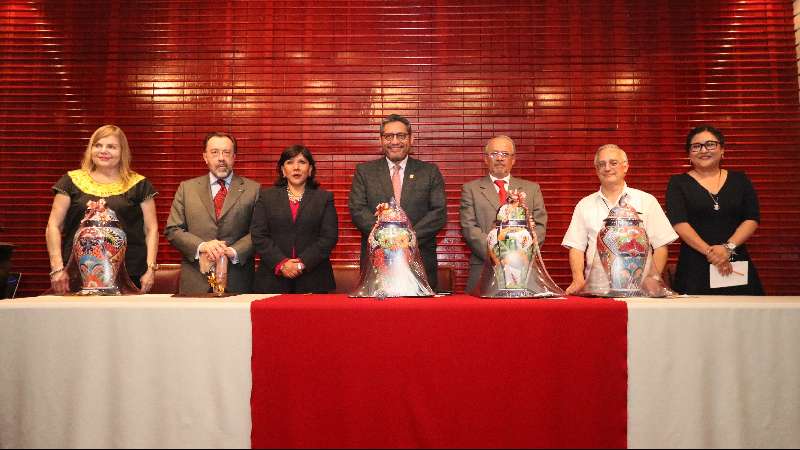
{"x":478,"y":211}
{"x":192,"y":221}
{"x":313,"y":236}
{"x":423,"y":200}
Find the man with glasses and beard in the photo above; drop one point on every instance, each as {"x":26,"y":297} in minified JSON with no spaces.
{"x":417,"y":186}
{"x":211,"y":217}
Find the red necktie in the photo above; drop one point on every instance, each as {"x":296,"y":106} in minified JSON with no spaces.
{"x":219,"y":199}
{"x":503,"y":195}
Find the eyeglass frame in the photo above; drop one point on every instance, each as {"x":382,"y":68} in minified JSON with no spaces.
{"x":704,"y":145}
{"x":389,"y":137}
{"x":505,"y":155}
{"x":613,"y":163}
{"x":217,"y":153}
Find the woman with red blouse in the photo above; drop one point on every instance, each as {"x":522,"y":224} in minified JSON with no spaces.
{"x":294,"y":229}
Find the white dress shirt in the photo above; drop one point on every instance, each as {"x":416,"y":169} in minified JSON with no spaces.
{"x":587,"y":221}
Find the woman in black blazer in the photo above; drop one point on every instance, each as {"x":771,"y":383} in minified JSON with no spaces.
{"x":294,"y":229}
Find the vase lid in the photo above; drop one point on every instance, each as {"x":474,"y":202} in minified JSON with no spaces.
{"x":623,"y":212}
{"x":98,"y":213}
{"x":391,"y":214}
{"x":513,"y":212}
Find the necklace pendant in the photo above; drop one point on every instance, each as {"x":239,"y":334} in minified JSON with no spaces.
{"x":716,"y":206}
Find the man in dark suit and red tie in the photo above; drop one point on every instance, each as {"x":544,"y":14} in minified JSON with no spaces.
{"x":481,"y":198}
{"x":211,"y":217}
{"x":416,"y":185}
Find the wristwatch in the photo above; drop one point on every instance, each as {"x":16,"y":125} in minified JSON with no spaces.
{"x":731,"y":248}
{"x":153,"y":266}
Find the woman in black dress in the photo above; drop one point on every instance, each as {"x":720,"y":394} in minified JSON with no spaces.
{"x":294,"y":229}
{"x":105,"y":173}
{"x":715,"y":211}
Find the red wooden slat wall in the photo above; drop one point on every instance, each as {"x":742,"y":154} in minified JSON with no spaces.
{"x":560,"y":76}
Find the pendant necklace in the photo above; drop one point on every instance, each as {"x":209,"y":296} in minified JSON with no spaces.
{"x":715,"y":198}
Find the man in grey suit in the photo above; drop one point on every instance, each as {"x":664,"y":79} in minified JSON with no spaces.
{"x":419,"y":187}
{"x":211,"y":216}
{"x":480,"y":200}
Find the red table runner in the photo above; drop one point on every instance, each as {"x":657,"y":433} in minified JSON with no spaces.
{"x":330,"y":371}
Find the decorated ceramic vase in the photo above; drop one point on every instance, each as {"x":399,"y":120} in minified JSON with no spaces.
{"x":394,"y":267}
{"x":623,"y":248}
{"x":99,"y":250}
{"x":511,"y":247}
{"x":514,"y":268}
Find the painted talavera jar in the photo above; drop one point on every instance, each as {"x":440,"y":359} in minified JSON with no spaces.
{"x":511,"y":247}
{"x":99,"y":250}
{"x":623,"y":248}
{"x":514,"y":267}
{"x":394,"y":267}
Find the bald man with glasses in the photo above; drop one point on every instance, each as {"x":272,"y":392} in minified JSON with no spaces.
{"x":481,"y":198}
{"x":611,"y":164}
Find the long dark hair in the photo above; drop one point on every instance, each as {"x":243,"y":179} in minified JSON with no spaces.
{"x":697,"y":130}
{"x":291,"y":152}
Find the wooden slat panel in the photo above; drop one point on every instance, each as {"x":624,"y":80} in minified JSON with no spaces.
{"x":561,"y":77}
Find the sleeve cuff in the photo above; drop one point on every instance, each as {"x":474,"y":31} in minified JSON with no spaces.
{"x":656,"y":243}
{"x":571,"y":244}
{"x":235,"y":259}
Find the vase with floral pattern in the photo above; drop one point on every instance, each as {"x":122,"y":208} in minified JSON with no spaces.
{"x":99,"y":250}
{"x":394,"y":267}
{"x":623,"y":247}
{"x":514,"y":267}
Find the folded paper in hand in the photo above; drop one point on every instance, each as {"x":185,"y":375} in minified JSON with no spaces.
{"x":737,"y":278}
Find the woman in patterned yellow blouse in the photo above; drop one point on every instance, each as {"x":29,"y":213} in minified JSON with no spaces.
{"x":105,"y":173}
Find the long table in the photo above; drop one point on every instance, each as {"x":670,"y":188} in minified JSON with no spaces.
{"x":155,"y":371}
{"x":334,"y":372}
{"x":146,"y":371}
{"x":714,"y":372}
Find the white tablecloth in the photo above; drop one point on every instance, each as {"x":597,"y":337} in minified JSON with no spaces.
{"x":714,"y":372}
{"x":121,"y":372}
{"x":155,"y":371}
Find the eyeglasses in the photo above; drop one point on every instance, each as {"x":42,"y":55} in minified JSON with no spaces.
{"x":709,"y":145}
{"x":612,"y":164}
{"x":498,"y":155}
{"x":216,"y":153}
{"x":389,"y":137}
